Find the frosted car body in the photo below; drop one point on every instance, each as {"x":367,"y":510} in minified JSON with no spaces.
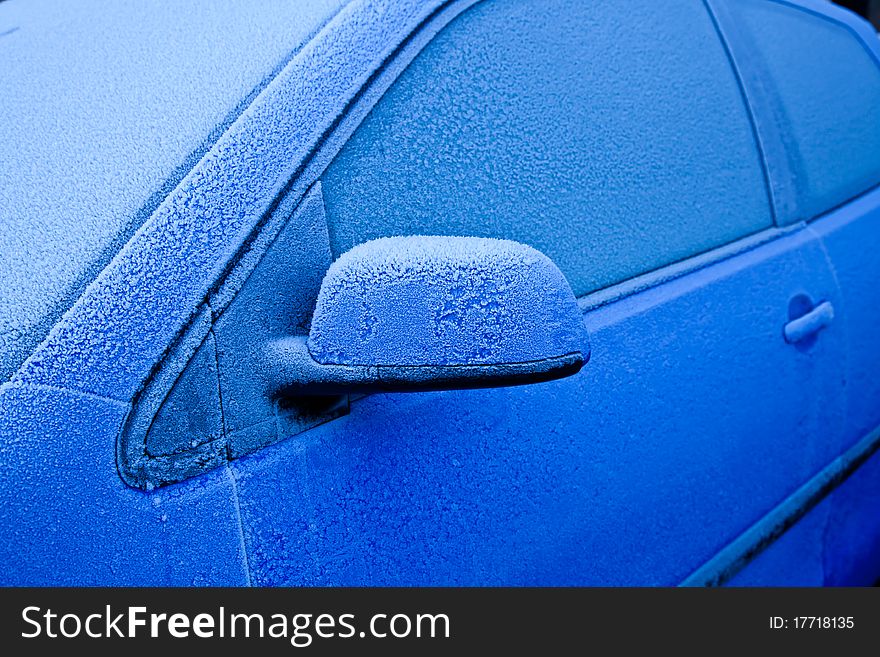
{"x":698,"y":179}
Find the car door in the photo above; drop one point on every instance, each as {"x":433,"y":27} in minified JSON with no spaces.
{"x":812,"y":73}
{"x":617,"y":140}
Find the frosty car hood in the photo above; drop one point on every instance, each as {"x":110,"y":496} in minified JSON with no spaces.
{"x":123,"y":323}
{"x":105,"y":107}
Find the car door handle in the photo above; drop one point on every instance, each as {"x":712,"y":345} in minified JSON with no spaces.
{"x":808,"y":325}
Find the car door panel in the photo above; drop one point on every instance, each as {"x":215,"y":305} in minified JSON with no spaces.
{"x":853,"y":533}
{"x":811,"y":71}
{"x":795,"y":558}
{"x":692,"y":419}
{"x":834,"y":544}
{"x":851,"y":236}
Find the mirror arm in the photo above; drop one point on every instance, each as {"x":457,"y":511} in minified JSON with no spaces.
{"x":290,"y":370}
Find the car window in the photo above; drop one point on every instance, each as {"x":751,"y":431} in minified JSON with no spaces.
{"x":611,"y":136}
{"x":827,"y":88}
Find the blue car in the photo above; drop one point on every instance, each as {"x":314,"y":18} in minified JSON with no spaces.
{"x":425,"y":292}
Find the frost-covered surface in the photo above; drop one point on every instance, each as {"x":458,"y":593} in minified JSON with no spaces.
{"x":154,"y":284}
{"x":104,"y":107}
{"x":825,"y":98}
{"x":614,"y":153}
{"x":63,"y":502}
{"x":67,"y":519}
{"x":691,"y":420}
{"x":424,"y":300}
{"x":687,"y":425}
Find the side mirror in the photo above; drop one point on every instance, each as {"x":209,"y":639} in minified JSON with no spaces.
{"x":434,"y":313}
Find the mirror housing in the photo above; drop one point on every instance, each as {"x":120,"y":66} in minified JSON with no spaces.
{"x":434,"y":313}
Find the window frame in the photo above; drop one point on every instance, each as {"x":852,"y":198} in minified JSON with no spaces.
{"x":757,"y":87}
{"x":142,"y":470}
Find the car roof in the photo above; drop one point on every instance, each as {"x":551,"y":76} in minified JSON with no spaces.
{"x":106,"y":106}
